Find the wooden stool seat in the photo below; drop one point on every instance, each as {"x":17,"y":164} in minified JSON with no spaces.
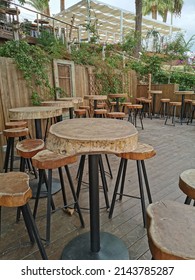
{"x":100,"y":112}
{"x":101,"y":105}
{"x":15,"y":124}
{"x":49,"y":160}
{"x":187,"y":184}
{"x":80,"y":113}
{"x":174,"y":103}
{"x":15,"y":132}
{"x":28,"y":148}
{"x":15,"y":192}
{"x":187,"y":100}
{"x":165,"y":100}
{"x":14,"y":189}
{"x":134,"y":106}
{"x":116,"y":115}
{"x":142,"y":152}
{"x":170,"y":230}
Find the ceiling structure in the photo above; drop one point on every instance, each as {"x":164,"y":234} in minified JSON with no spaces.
{"x":111,"y":23}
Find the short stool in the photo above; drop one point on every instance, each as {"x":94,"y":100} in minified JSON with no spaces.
{"x":187,"y":185}
{"x":48,"y":160}
{"x":170,"y":230}
{"x":15,"y":192}
{"x":11,"y":134}
{"x":87,"y":108}
{"x":141,"y":153}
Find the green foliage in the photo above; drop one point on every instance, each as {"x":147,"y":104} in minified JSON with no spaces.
{"x":31,"y":60}
{"x":130,"y":42}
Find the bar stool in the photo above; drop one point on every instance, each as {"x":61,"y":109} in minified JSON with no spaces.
{"x":15,"y":124}
{"x":134,"y":111}
{"x":173,"y":107}
{"x":11,"y":134}
{"x":112,"y":105}
{"x":116,"y":115}
{"x":87,"y":108}
{"x":187,"y":107}
{"x":15,"y":192}
{"x":101,"y":105}
{"x":141,"y":153}
{"x":187,"y":185}
{"x":27,"y":149}
{"x":48,"y":160}
{"x":80,"y":113}
{"x":147,"y":107}
{"x":170,"y":230}
{"x":191,"y":116}
{"x":124,"y":106}
{"x":164,"y":103}
{"x":100,"y":113}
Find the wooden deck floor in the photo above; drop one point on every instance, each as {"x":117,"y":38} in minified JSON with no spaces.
{"x":175,"y":147}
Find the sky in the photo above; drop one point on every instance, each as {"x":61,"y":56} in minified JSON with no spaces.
{"x":186,"y":21}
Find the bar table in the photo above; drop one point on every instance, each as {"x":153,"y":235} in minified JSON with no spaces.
{"x":183,"y":94}
{"x":93,"y":137}
{"x":93,"y":99}
{"x":117,"y":96}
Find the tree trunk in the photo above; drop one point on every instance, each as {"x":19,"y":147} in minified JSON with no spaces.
{"x":62,"y":5}
{"x":138,"y":26}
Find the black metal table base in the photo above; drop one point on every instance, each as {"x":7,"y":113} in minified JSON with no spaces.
{"x":56,"y":187}
{"x":111,"y":248}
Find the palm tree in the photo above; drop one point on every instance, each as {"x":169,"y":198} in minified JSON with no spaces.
{"x":40,"y":5}
{"x":138,"y":26}
{"x":162,"y":7}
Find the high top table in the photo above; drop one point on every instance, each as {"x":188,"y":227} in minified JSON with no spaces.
{"x":65,"y":105}
{"x":117,"y":96}
{"x":154,"y":93}
{"x":183,"y":94}
{"x":35,"y":113}
{"x":94,"y":98}
{"x":93,"y":136}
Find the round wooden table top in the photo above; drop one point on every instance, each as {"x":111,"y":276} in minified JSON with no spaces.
{"x":92,"y":136}
{"x":184,"y":92}
{"x":75,"y":100}
{"x":34,"y":112}
{"x":117,"y":95}
{"x":62,"y":104}
{"x":95,"y":97}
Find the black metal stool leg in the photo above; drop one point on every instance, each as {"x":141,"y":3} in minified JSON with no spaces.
{"x":104,"y":183}
{"x":74,"y":196}
{"x":108,"y":164}
{"x":141,"y":191}
{"x":123,"y":179}
{"x":116,"y":187}
{"x":146,"y":181}
{"x":28,"y":216}
{"x":62,"y":186}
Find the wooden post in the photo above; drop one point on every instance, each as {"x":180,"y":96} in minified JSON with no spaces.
{"x":149,"y":85}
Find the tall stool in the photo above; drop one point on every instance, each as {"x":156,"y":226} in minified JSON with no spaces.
{"x":87,"y":108}
{"x":191,"y":116}
{"x":147,"y":106}
{"x":116,"y":115}
{"x":170,"y":230}
{"x":134,"y":111}
{"x":187,"y":185}
{"x":80,"y":113}
{"x":15,"y":192}
{"x":172,"y":111}
{"x":48,"y":160}
{"x":141,"y":153}
{"x":163,"y":110}
{"x":124,"y":106}
{"x":11,"y":134}
{"x":187,"y":107}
